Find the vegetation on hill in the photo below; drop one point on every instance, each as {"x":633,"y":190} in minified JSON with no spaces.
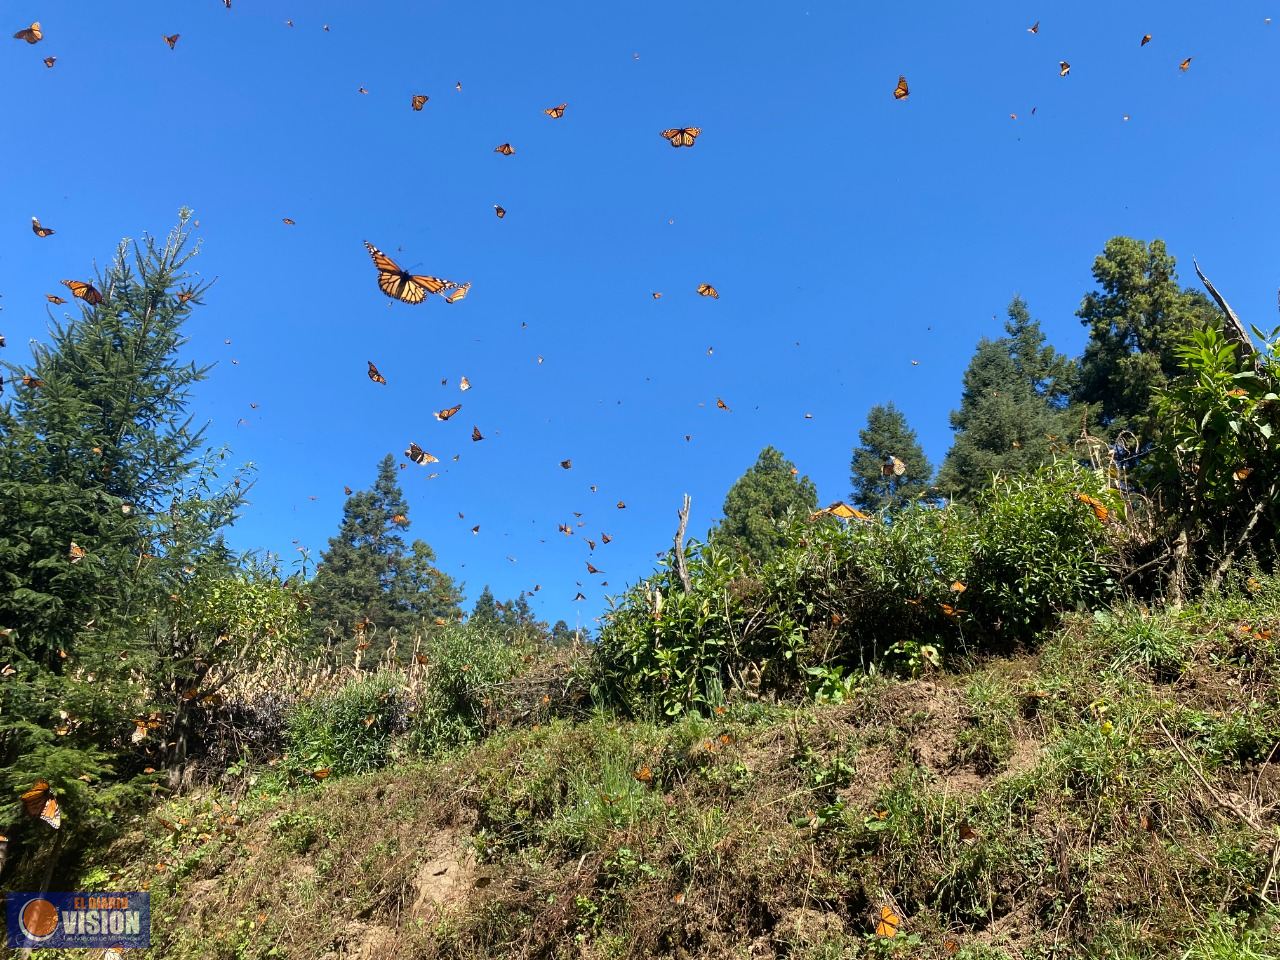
{"x":1040,"y":718}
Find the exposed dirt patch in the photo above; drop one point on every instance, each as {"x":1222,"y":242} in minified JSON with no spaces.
{"x":446,"y":874}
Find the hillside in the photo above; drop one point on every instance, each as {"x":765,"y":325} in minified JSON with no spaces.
{"x":1112,"y":794}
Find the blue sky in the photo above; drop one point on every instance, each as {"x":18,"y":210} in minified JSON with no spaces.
{"x":848,"y":234}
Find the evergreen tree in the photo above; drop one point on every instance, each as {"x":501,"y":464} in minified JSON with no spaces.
{"x":1136,"y":319}
{"x":1012,"y":411}
{"x":368,"y":582}
{"x":886,"y":437}
{"x":760,"y":505}
{"x":486,"y":608}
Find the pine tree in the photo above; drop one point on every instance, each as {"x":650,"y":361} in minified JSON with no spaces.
{"x":760,"y":506}
{"x":1012,"y":411}
{"x":368,"y":583}
{"x":1136,"y":318}
{"x":887,"y":437}
{"x":486,"y":608}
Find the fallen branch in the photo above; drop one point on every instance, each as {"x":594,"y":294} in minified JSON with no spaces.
{"x":1236,"y":330}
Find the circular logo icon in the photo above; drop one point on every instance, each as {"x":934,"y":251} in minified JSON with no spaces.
{"x":39,"y":919}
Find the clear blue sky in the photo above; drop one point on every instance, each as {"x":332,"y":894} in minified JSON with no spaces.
{"x":838,"y":225}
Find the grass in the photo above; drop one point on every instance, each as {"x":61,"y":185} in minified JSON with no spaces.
{"x":1113,"y":795}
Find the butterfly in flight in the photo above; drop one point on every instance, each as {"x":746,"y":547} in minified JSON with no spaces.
{"x":400,"y":284}
{"x":418,"y":100}
{"x":476,"y":434}
{"x":464,"y":384}
{"x":505,"y":149}
{"x":420,"y":456}
{"x":1184,"y":65}
{"x":566,"y":464}
{"x":289,"y":222}
{"x":1064,"y":68}
{"x":605,"y":538}
{"x":374,"y":374}
{"x":85,"y":291}
{"x":31,"y":34}
{"x":443,"y":415}
{"x":707,"y":290}
{"x":555,"y":113}
{"x":722,"y":405}
{"x":40,"y":231}
{"x":901,"y":92}
{"x":591,"y":569}
{"x":459,"y":293}
{"x":499,"y":212}
{"x":172,"y":40}
{"x":50,"y":61}
{"x":1034,"y":28}
{"x":1146,"y":38}
{"x":682,"y":136}
{"x":40,"y":802}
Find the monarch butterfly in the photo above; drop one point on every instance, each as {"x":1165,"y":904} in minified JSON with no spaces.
{"x":50,"y":61}
{"x":288,"y":222}
{"x":346,"y":490}
{"x":420,"y":456}
{"x":555,"y":113}
{"x":459,"y":293}
{"x":476,"y":434}
{"x":40,"y":802}
{"x":579,"y":596}
{"x":363,"y":91}
{"x":657,"y":294}
{"x":458,"y":86}
{"x":605,"y":538}
{"x":29,"y":381}
{"x":475,"y":530}
{"x":75,"y":552}
{"x":1241,"y":473}
{"x":172,"y":41}
{"x":374,"y":374}
{"x":564,"y":528}
{"x":621,"y":505}
{"x":443,"y":415}
{"x":901,"y":91}
{"x":85,"y":291}
{"x":591,"y":544}
{"x":566,"y":464}
{"x":1034,"y":28}
{"x":320,"y":773}
{"x":31,"y":34}
{"x":464,"y":384}
{"x":1146,"y":38}
{"x":400,"y":520}
{"x":682,"y":136}
{"x":40,"y":231}
{"x":707,"y":290}
{"x":1063,"y":68}
{"x":888,"y":924}
{"x":54,"y":299}
{"x":644,"y":774}
{"x":1099,"y":508}
{"x":592,"y":570}
{"x":968,"y":834}
{"x":505,"y":149}
{"x":893,"y":467}
{"x":499,"y":212}
{"x":418,"y":100}
{"x":722,"y":405}
{"x":400,"y":284}
{"x":1184,"y":64}
{"x":951,"y":945}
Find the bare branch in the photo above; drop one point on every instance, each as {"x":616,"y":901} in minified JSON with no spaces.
{"x":681,"y":567}
{"x":1236,"y":330}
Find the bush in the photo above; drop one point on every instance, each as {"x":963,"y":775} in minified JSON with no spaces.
{"x":347,"y":730}
{"x":894,"y":592}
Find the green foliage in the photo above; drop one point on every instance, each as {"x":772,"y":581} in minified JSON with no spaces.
{"x":887,"y":435}
{"x":1217,"y":456}
{"x":348,"y":730}
{"x":370,"y":587}
{"x":1136,"y":318}
{"x":761,"y":506}
{"x":466,"y":664}
{"x":1012,"y":410}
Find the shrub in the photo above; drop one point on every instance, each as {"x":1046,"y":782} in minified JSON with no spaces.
{"x":347,"y":730}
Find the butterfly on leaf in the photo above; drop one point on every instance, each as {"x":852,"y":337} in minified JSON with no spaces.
{"x":505,"y":149}
{"x":443,"y":415}
{"x":400,"y":284}
{"x":901,"y":91}
{"x":29,"y":381}
{"x":374,"y":374}
{"x":40,"y":231}
{"x":85,"y":291}
{"x":888,"y":924}
{"x":555,"y":113}
{"x":420,"y":456}
{"x":682,"y":136}
{"x":1064,"y":68}
{"x":458,"y":293}
{"x":172,"y":40}
{"x":31,"y":34}
{"x":1099,"y":508}
{"x":499,"y":212}
{"x":419,"y":99}
{"x":1184,"y":65}
{"x":476,"y":434}
{"x":1241,"y":473}
{"x":40,"y":802}
{"x":707,"y":290}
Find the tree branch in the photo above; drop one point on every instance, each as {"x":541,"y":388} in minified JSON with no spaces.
{"x":681,"y":567}
{"x":1236,"y":330}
